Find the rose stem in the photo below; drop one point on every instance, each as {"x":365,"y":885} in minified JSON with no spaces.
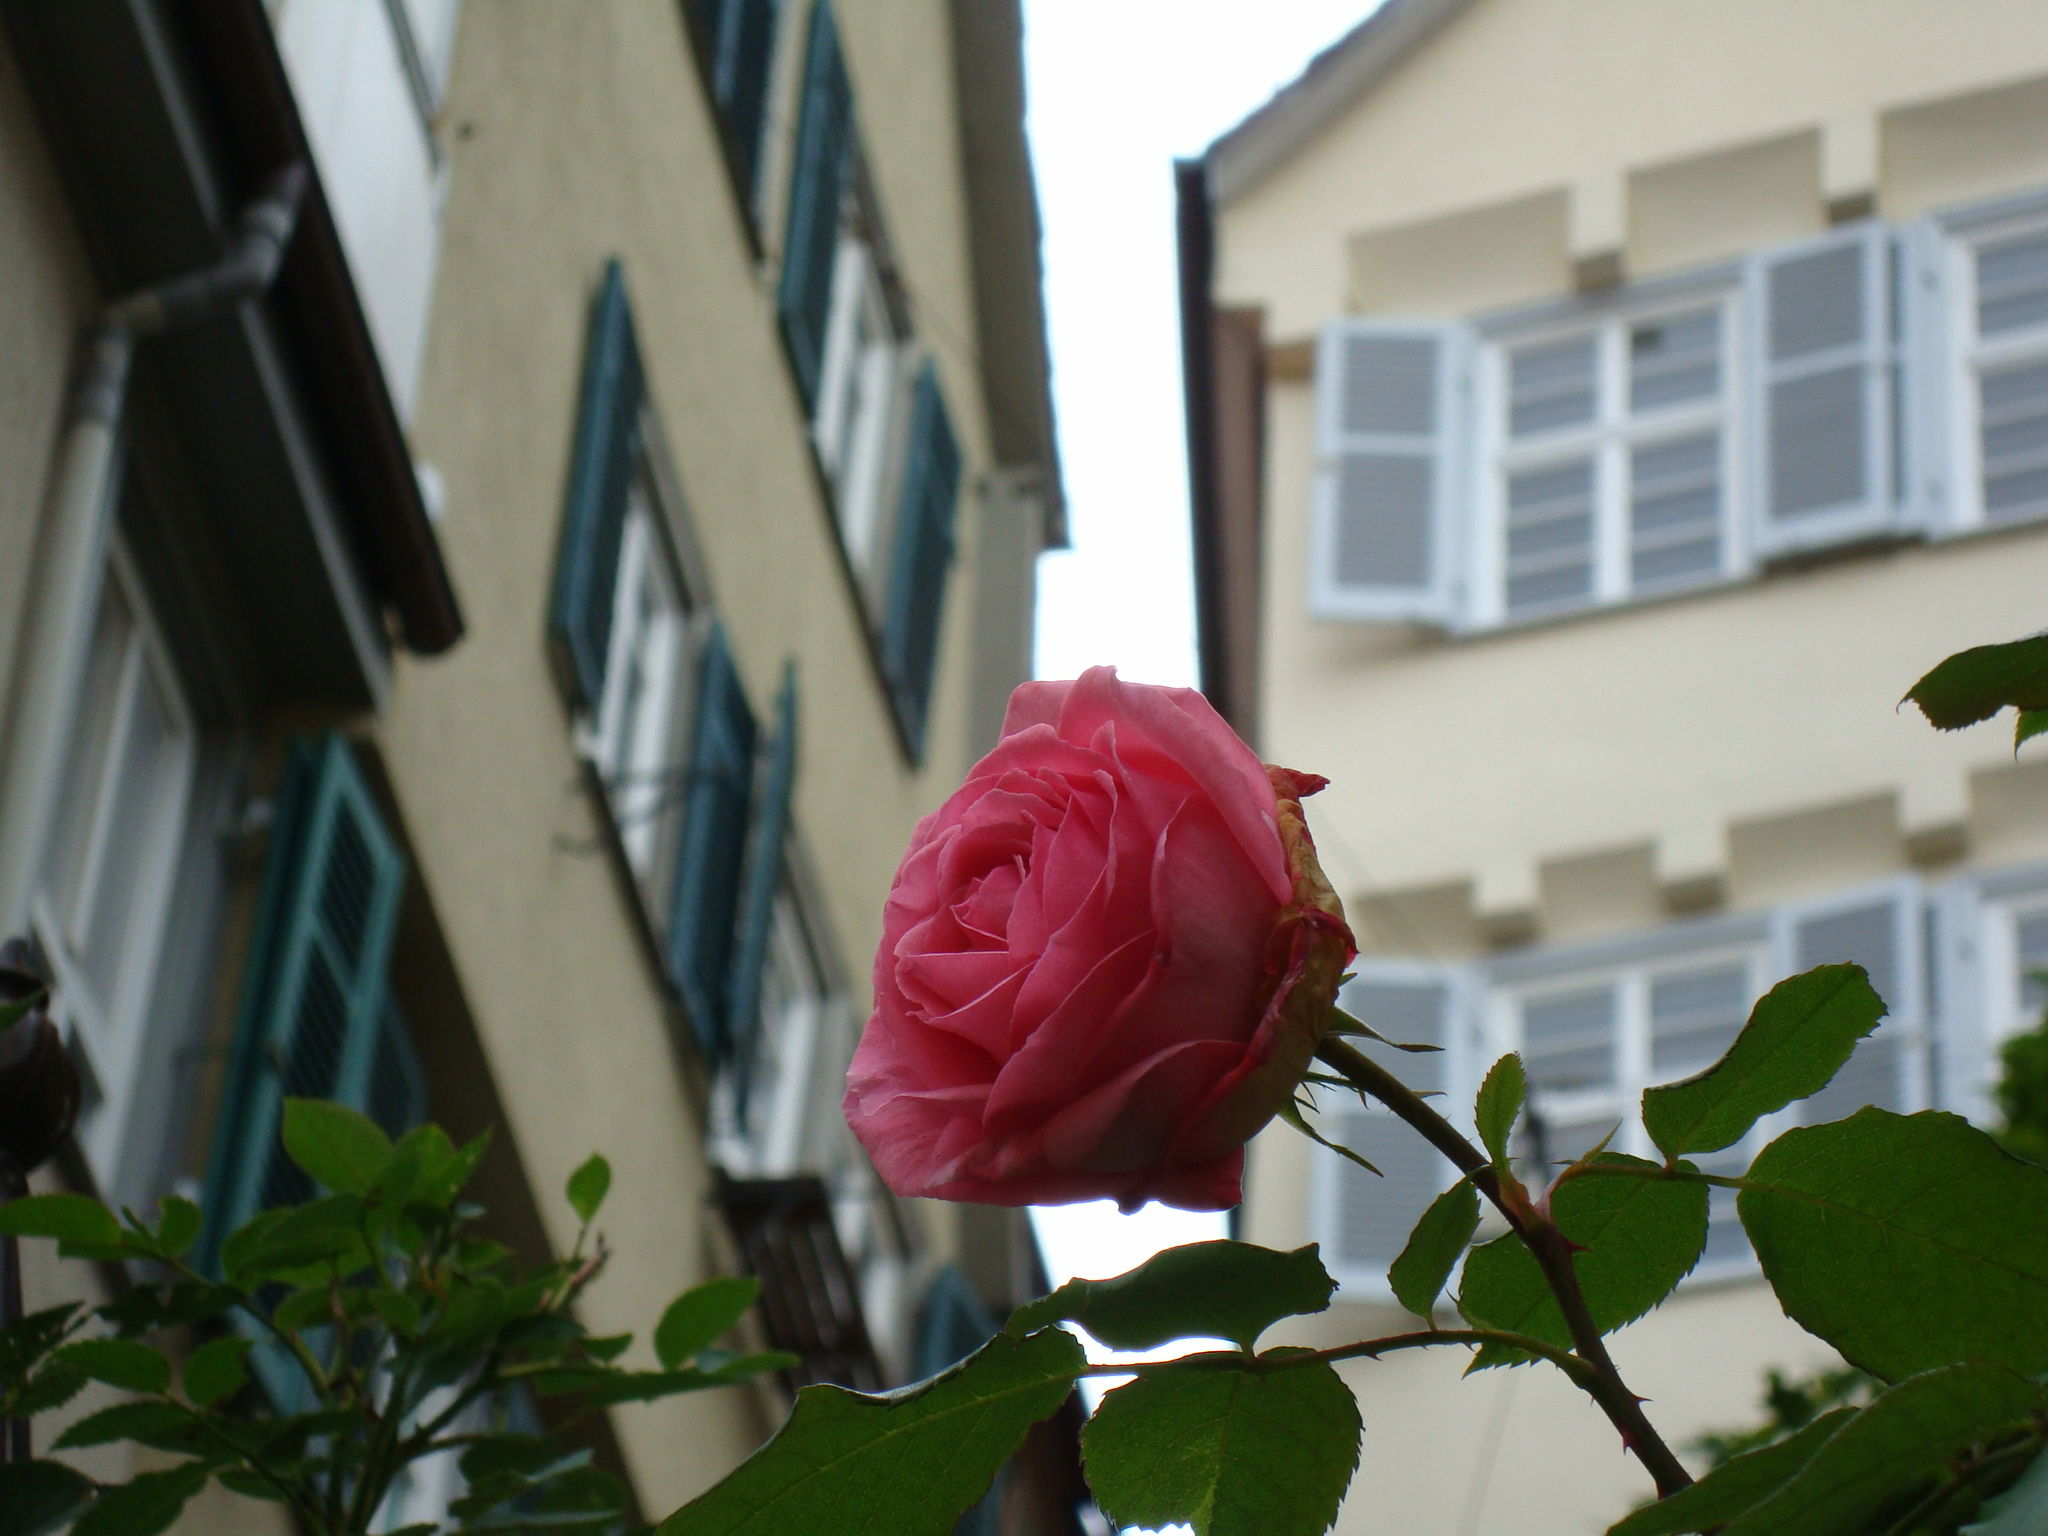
{"x":1546,"y":1243}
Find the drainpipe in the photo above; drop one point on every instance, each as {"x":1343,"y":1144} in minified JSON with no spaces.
{"x":64,"y":591}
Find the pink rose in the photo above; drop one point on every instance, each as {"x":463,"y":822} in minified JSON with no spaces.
{"x":1106,"y":961}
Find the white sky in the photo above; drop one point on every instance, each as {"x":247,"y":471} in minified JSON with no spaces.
{"x":1118,"y":89}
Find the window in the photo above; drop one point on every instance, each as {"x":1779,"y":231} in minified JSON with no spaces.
{"x":102,"y":903}
{"x":1595,"y":1026}
{"x":878,"y":419}
{"x":1612,"y":460}
{"x":2000,"y":313}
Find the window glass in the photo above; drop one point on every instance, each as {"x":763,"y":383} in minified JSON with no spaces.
{"x":1568,"y":1040}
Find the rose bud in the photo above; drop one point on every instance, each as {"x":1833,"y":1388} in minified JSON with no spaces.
{"x":1106,"y":961}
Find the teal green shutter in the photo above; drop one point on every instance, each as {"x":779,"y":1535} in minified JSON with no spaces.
{"x":712,"y":847}
{"x":924,"y":552}
{"x":764,"y":874}
{"x":600,"y":483}
{"x":316,"y":1018}
{"x":824,"y":140}
{"x":740,"y":37}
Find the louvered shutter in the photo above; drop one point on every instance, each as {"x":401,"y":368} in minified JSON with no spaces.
{"x":757,"y":898}
{"x":824,"y":145}
{"x":316,"y":1018}
{"x":600,"y":484}
{"x":712,"y":848}
{"x":1821,"y":354}
{"x":1390,"y":408}
{"x":923,"y":555}
{"x":1880,"y":929}
{"x":1363,"y":1221}
{"x":1929,"y":497}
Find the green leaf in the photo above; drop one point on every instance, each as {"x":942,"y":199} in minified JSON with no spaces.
{"x":1735,"y":1485}
{"x":71,"y":1218}
{"x":143,"y":1505}
{"x":1639,"y":1237}
{"x":908,"y":1461}
{"x":1500,"y":1101}
{"x":1907,"y":1434}
{"x":51,"y":1387}
{"x":2022,"y":1510}
{"x":337,"y":1146}
{"x":119,"y":1363}
{"x":1233,"y":1452}
{"x":216,"y":1370}
{"x":143,"y":1421}
{"x":1906,"y":1241}
{"x":1797,"y":1037}
{"x":1215,"y":1290}
{"x":1976,"y":684}
{"x":695,"y":1319}
{"x":40,"y":1497}
{"x":1418,"y":1275}
{"x":27,"y":1339}
{"x":588,"y":1186}
{"x":2031,"y":723}
{"x":178,"y":1225}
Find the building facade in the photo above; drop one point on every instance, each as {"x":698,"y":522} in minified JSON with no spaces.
{"x":1599,"y":416}
{"x":488,"y":667}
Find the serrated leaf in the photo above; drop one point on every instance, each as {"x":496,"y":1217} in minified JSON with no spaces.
{"x":27,"y":1339}
{"x":69,"y":1217}
{"x":144,"y":1505}
{"x":696,"y":1319}
{"x":1906,"y":1434}
{"x":142,"y":1421}
{"x":1797,"y":1038}
{"x":1419,"y":1274}
{"x":40,"y":1497}
{"x":908,"y":1461}
{"x":588,"y":1186}
{"x":1231,"y":1451}
{"x":250,"y":1485}
{"x":339,"y":1147}
{"x":216,"y":1370}
{"x":51,"y":1387}
{"x":1291,"y":1112}
{"x":1906,"y":1241}
{"x":1736,"y":1485}
{"x":1638,"y":1236}
{"x":122,"y":1363}
{"x":1976,"y":684}
{"x":1499,"y":1102}
{"x":1214,"y":1290}
{"x":2022,"y":1510}
{"x":2031,"y":723}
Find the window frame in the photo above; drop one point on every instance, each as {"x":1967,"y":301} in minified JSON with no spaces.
{"x":1964,"y":354}
{"x":107,"y":1035}
{"x":1608,"y":440}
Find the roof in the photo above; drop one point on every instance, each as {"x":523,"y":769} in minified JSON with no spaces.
{"x":1331,"y":82}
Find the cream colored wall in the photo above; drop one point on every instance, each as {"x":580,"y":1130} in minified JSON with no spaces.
{"x":1513,"y":97}
{"x":574,"y":134}
{"x":45,"y":299}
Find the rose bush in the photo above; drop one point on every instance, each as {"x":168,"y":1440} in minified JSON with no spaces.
{"x":1106,"y":960}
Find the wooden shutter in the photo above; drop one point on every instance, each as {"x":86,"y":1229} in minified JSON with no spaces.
{"x":600,"y":484}
{"x":1363,"y":1220}
{"x":923,"y":555}
{"x":824,"y":147}
{"x":712,"y":847}
{"x":744,"y":41}
{"x":1880,"y":929}
{"x":1929,"y":496}
{"x":757,"y":897}
{"x":1820,"y":365}
{"x":1389,"y":424}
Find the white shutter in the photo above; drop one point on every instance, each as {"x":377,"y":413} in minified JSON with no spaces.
{"x":1820,"y":379}
{"x":1879,"y":928}
{"x":1962,"y":945}
{"x":1929,"y":496}
{"x":1390,"y":410}
{"x":1363,"y":1221}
